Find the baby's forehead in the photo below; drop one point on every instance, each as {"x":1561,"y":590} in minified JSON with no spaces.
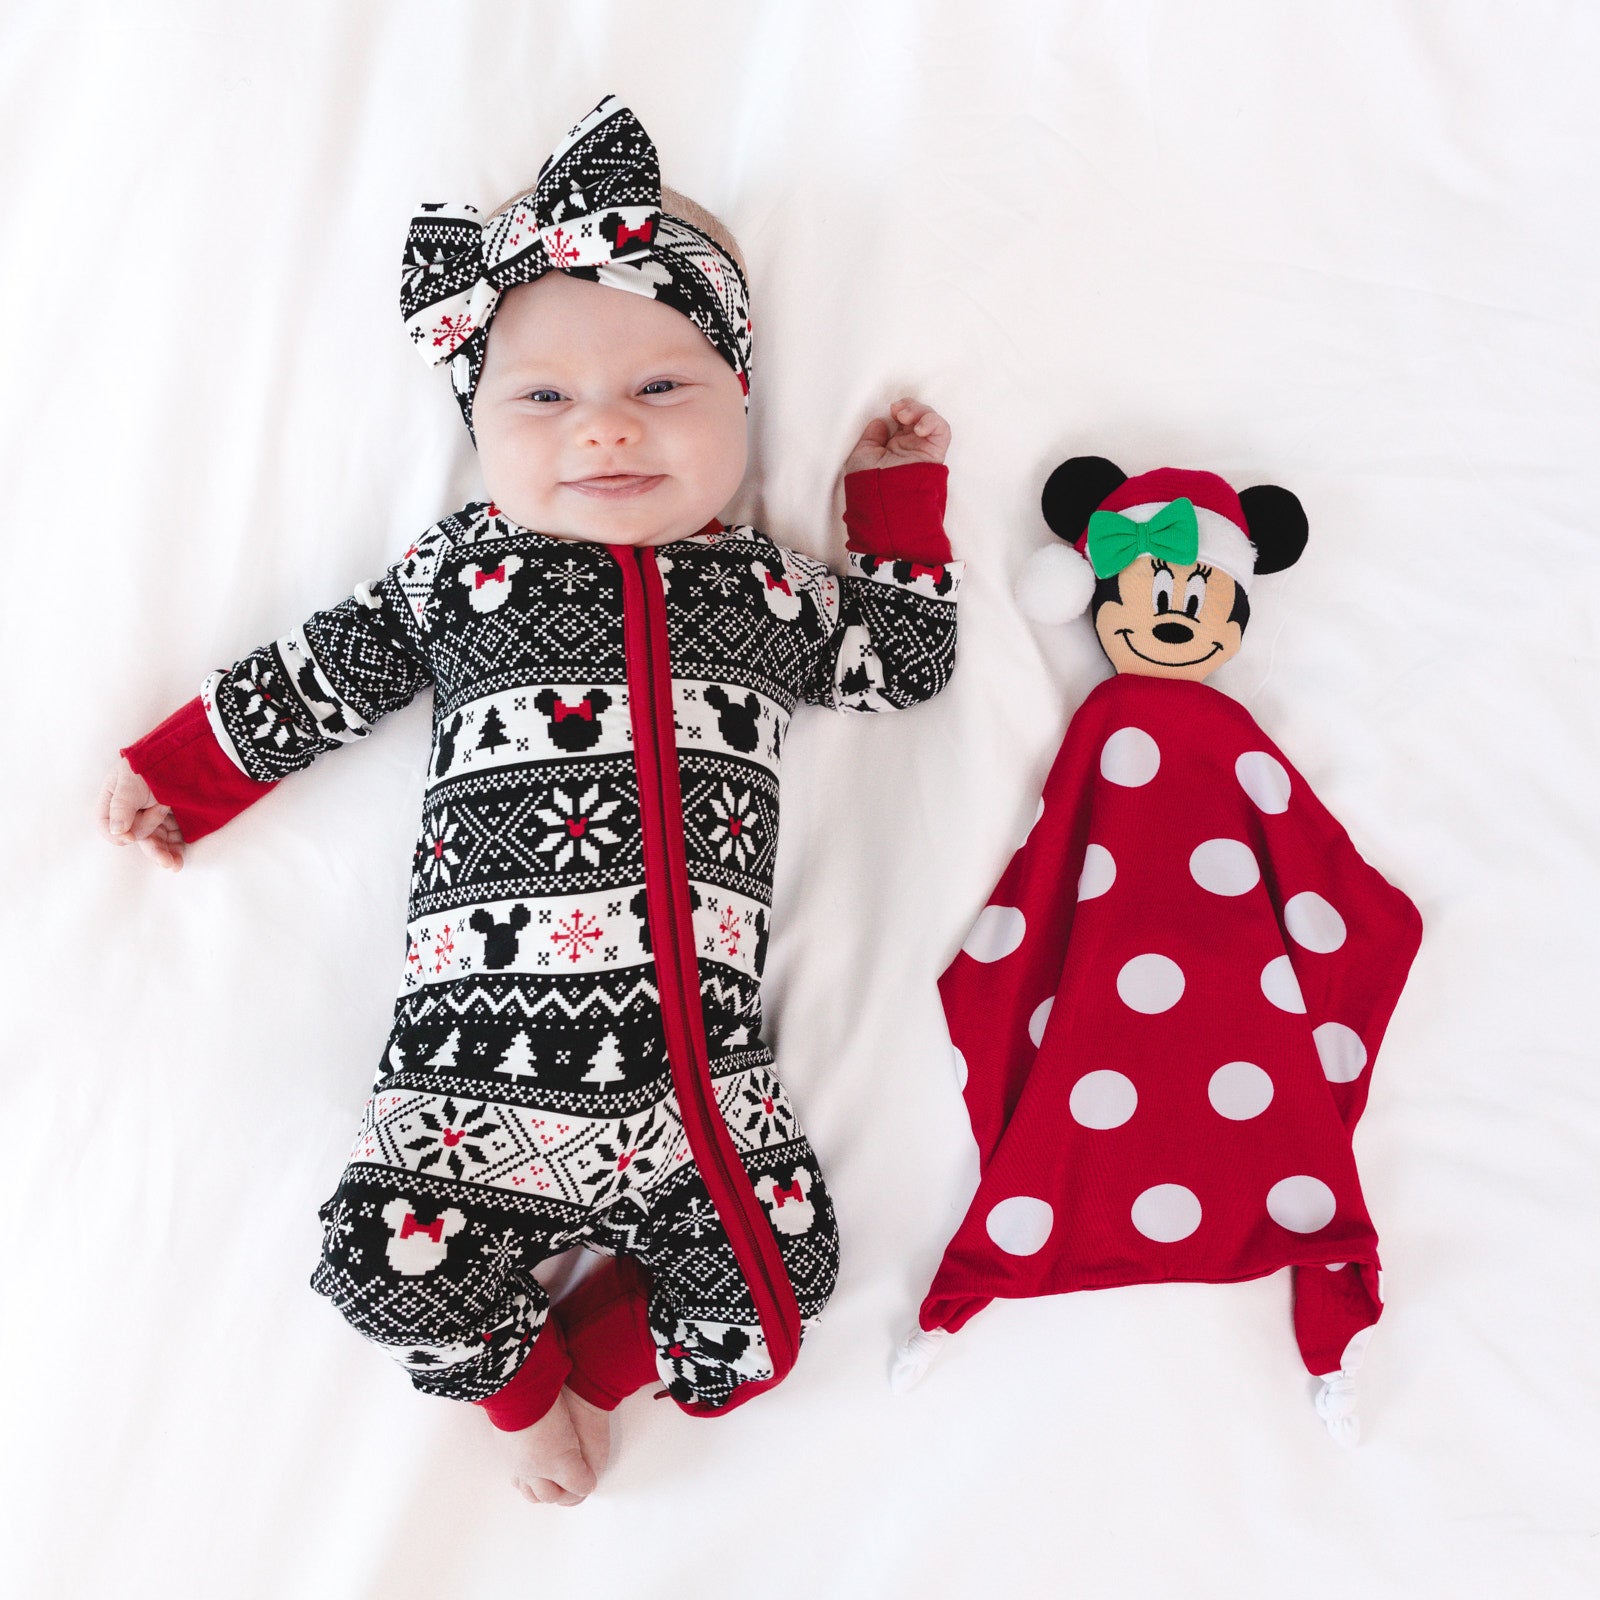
{"x":562,"y":316}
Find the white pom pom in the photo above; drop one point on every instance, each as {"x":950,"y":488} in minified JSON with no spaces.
{"x":1055,"y":584}
{"x":915,"y":1356}
{"x":1336,"y":1405}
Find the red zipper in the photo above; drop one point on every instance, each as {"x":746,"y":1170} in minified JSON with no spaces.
{"x":670,"y":916}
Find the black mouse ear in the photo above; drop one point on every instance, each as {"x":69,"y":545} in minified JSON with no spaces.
{"x":1277,"y":523}
{"x":1074,"y":491}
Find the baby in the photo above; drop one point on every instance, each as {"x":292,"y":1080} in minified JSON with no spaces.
{"x":576,"y":1055}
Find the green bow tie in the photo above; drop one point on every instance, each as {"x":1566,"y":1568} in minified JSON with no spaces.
{"x":1116,"y":541}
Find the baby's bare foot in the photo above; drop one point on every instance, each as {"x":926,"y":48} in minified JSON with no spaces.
{"x":548,"y":1462}
{"x":593,"y":1427}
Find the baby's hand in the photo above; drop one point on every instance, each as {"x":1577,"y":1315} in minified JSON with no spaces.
{"x":130,"y":814}
{"x":911,"y":432}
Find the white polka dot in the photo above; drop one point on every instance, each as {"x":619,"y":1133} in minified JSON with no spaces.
{"x":959,"y":1062}
{"x":1166,"y":1213}
{"x":1036,"y":1023}
{"x":997,"y":932}
{"x":1034,"y":824}
{"x":1262,"y":778}
{"x":1239,"y":1091}
{"x":1311,"y":921}
{"x":1355,"y":1352}
{"x":1280,"y":986}
{"x":1343,"y":1054}
{"x":1151,"y":983}
{"x":1099,"y":872}
{"x":1225,"y":866}
{"x":1301,"y":1204}
{"x":1020,"y":1225}
{"x":1129,"y":757}
{"x":1102,"y":1100}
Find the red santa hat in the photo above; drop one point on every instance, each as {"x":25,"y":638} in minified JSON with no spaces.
{"x":1261,"y":529}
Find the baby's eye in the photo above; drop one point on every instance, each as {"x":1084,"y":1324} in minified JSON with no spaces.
{"x":545,"y":396}
{"x":660,"y":386}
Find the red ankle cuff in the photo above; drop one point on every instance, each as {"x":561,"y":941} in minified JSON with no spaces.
{"x":608,"y":1334}
{"x":535,"y":1385}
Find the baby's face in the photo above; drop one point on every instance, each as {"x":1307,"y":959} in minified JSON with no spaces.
{"x":605,"y":415}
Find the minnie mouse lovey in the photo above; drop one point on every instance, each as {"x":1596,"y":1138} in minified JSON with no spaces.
{"x":1165,"y":1018}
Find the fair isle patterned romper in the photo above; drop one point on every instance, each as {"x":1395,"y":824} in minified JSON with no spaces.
{"x":576,"y":1056}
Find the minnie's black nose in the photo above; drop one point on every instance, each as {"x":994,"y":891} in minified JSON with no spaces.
{"x":1173,"y":632}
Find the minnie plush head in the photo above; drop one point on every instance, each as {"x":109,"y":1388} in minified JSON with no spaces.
{"x":1164,"y":560}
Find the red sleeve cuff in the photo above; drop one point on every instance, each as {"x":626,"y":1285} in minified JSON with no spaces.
{"x":187,"y":770}
{"x":534,"y":1386}
{"x":898,"y":511}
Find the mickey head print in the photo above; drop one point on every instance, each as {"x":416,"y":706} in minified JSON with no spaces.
{"x":574,"y":724}
{"x":789,"y":1205}
{"x":777,"y":588}
{"x":415,"y":1247}
{"x":488,"y":587}
{"x":1164,"y":561}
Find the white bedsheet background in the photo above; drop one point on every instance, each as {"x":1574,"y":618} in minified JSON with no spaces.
{"x":1348,"y":249}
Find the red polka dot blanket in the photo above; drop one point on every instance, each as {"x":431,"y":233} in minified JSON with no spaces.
{"x":1165,"y":1020}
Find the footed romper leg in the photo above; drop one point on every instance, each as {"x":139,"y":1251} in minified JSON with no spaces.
{"x":1335,"y":1311}
{"x":442,"y":1280}
{"x":710,"y":1345}
{"x":607,"y":1327}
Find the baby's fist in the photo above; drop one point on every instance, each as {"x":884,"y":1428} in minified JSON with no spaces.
{"x":131,"y":814}
{"x":911,"y":432}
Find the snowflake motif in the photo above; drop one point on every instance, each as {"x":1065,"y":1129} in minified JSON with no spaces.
{"x":728,"y":930}
{"x":452,"y":331}
{"x":577,"y":828}
{"x":444,"y":948}
{"x":736,"y":822}
{"x":338,"y":1226}
{"x":723,"y":581}
{"x":266,"y":698}
{"x":451,"y":1138}
{"x":577,"y":935}
{"x":698,"y":1220}
{"x":503,"y":1252}
{"x":571,"y":576}
{"x":765,"y":1118}
{"x":625,"y":1156}
{"x":437,"y":859}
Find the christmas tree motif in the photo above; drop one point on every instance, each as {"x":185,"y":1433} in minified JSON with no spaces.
{"x":494,"y":730}
{"x":605,"y":1065}
{"x":445,"y":1055}
{"x":517,"y":1062}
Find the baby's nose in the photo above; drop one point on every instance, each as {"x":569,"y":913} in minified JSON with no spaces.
{"x":606,"y":426}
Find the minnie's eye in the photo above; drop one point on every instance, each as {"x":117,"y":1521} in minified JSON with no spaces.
{"x":1161,"y":590}
{"x":660,"y":386}
{"x":1194,"y":594}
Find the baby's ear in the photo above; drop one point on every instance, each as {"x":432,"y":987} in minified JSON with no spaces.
{"x":1277,"y":523}
{"x":1073,"y":492}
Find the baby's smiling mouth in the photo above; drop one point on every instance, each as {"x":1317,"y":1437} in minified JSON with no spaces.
{"x":615,"y":486}
{"x":1125,"y":634}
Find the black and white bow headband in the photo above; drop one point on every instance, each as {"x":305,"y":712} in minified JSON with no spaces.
{"x":595,"y":213}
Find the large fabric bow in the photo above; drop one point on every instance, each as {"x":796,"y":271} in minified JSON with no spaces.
{"x":595,"y":212}
{"x":1116,"y":541}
